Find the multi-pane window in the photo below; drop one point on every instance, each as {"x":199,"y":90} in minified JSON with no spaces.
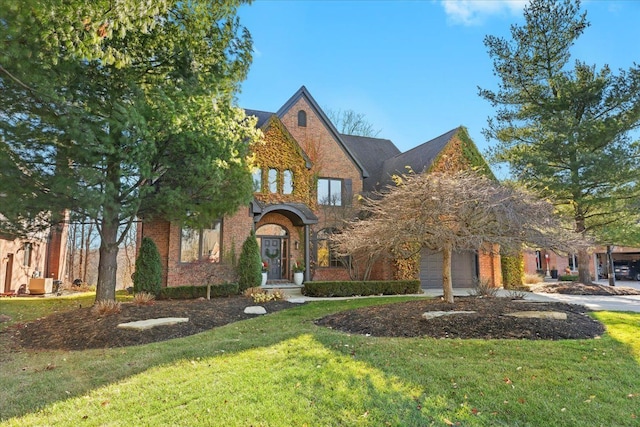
{"x":330,"y":192}
{"x":200,"y":244}
{"x":257,"y":180}
{"x":273,"y":180}
{"x":325,"y":254}
{"x":287,"y":182}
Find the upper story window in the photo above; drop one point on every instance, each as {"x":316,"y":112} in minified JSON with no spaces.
{"x":273,"y":180}
{"x":302,"y":118}
{"x":257,"y":180}
{"x":201,"y":244}
{"x":330,"y":192}
{"x":287,"y":182}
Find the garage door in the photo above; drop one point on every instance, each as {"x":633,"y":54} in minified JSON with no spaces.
{"x":463,"y":269}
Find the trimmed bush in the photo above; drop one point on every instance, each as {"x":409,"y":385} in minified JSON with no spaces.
{"x":193,"y":292}
{"x":568,"y":278}
{"x":148,"y":274}
{"x":362,"y":288}
{"x":512,"y":271}
{"x":249,"y":264}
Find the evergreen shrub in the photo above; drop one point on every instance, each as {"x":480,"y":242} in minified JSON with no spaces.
{"x":148,"y":274}
{"x":249,"y":264}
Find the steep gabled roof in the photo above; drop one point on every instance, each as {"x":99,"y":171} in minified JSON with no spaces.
{"x":419,"y":158}
{"x":264,"y":120}
{"x":262,"y":116}
{"x":371,"y":152}
{"x":304,"y":93}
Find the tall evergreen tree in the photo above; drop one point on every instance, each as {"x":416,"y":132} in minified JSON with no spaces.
{"x":119,"y":110}
{"x":565,"y":129}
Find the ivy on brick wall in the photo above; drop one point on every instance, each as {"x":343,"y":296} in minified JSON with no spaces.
{"x":461,"y":154}
{"x":278,"y":150}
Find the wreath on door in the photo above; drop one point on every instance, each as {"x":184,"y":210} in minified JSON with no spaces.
{"x":272,"y":255}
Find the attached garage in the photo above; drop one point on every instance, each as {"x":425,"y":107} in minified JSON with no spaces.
{"x":464,"y":269}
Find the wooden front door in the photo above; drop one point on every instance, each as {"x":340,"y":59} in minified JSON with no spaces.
{"x":272,"y":253}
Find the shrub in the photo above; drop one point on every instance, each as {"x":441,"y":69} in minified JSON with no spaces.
{"x":143,"y":298}
{"x":260,"y":295}
{"x":148,"y":274}
{"x":353,"y":288}
{"x":249,"y":264}
{"x":532,"y":279}
{"x":568,"y":278}
{"x":482,"y":288}
{"x":106,"y":307}
{"x":512,"y":271}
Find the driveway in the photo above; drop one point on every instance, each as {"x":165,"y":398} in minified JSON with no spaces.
{"x":594,"y":302}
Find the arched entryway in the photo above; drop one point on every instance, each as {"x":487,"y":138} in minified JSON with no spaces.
{"x":273,"y":240}
{"x":281,"y":241}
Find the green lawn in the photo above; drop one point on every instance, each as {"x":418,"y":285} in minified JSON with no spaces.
{"x":281,"y":370}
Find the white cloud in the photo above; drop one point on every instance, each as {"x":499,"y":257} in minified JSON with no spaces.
{"x":474,"y":12}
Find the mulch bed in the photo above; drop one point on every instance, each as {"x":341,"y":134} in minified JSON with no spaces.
{"x":570,"y":288}
{"x":81,"y":328}
{"x":488,"y":322}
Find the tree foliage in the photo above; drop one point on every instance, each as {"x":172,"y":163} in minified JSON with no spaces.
{"x":250,"y":264}
{"x":125,"y":109}
{"x":563,"y":128}
{"x":452,"y":212}
{"x":148,"y":274}
{"x":349,"y":122}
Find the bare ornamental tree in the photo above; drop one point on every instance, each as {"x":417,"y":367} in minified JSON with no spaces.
{"x":451,"y":212}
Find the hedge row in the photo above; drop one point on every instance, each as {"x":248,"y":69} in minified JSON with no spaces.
{"x":568,"y":278}
{"x":193,"y":292}
{"x":353,"y":288}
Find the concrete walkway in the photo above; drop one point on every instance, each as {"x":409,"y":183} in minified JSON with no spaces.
{"x":594,"y":302}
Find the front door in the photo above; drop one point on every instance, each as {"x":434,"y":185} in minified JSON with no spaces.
{"x":272,"y":254}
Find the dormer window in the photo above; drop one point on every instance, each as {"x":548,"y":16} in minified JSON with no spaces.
{"x":302,"y":118}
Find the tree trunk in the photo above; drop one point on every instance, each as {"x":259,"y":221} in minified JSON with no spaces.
{"x":447,"y":285}
{"x":583,"y":267}
{"x":108,"y":264}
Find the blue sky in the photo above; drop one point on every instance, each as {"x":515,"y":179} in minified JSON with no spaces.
{"x":412,"y":67}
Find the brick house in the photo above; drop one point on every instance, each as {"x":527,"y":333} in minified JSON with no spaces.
{"x":307,"y":180}
{"x":41,"y":256}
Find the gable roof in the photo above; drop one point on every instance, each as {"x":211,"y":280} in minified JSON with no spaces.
{"x":371,"y":152}
{"x":304,"y":93}
{"x":262,"y":116}
{"x":419,"y":158}
{"x":264,"y":120}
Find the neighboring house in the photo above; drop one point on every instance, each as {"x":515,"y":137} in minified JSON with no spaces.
{"x":40,"y":256}
{"x":306,"y":182}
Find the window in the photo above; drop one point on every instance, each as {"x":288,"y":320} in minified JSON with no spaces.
{"x":302,"y":118}
{"x":330,"y":191}
{"x":287,"y":182}
{"x":27,"y":255}
{"x":257,"y":180}
{"x":325,"y":254}
{"x":573,"y":262}
{"x":200,"y":244}
{"x":273,"y":180}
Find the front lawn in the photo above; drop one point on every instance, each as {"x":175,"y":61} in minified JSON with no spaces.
{"x":282,"y":369}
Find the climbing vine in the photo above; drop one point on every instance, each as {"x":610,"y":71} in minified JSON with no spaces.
{"x":278,"y":150}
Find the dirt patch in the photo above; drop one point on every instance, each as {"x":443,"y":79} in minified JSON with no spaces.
{"x":571,"y":288}
{"x":488,"y":322}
